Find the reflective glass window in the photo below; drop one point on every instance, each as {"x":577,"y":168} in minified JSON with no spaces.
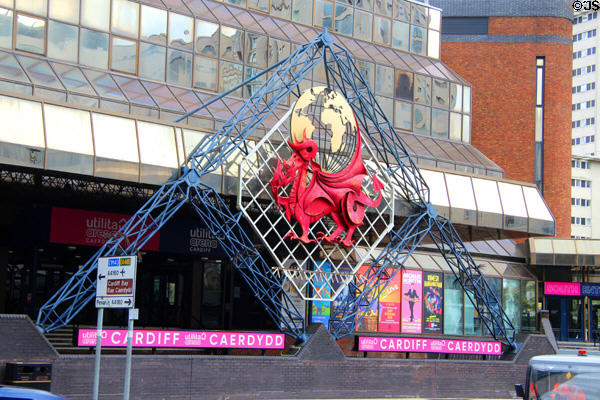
{"x":95,"y":14}
{"x":453,"y":306}
{"x":110,"y":131}
{"x":467,"y":99}
{"x":487,"y":196}
{"x":230,"y":76}
{"x":76,"y":139}
{"x":37,"y":7}
{"x":473,"y":322}
{"x":207,"y":38}
{"x":441,"y":93}
{"x":181,"y":30}
{"x":418,"y":40}
{"x":152,"y":61}
{"x":253,"y":86}
{"x":281,"y":8}
{"x":401,"y":35}
{"x":536,"y":208}
{"x":421,"y":119}
{"x":363,"y":25}
{"x":179,"y":67}
{"x":402,"y":10}
{"x":21,"y":122}
{"x":232,"y":44}
{"x":30,"y":34}
{"x":344,"y":19}
{"x":40,"y":73}
{"x":134,"y":90}
{"x":435,"y":19}
{"x":6,"y":28}
{"x":323,"y":14}
{"x":301,"y":13}
{"x":105,"y":85}
{"x":460,"y":191}
{"x":437,"y":186}
{"x":278,"y":50}
{"x":124,"y":55}
{"x":511,"y":301}
{"x":73,"y":79}
{"x":419,"y":15}
{"x":528,"y":306}
{"x":455,"y":126}
{"x":433,"y":44}
{"x":384,"y":80}
{"x":64,"y":10}
{"x":439,"y":123}
{"x":403,"y":115}
{"x":125,"y":18}
{"x":157,"y":144}
{"x":62,"y":41}
{"x":191,"y":139}
{"x":162,"y":95}
{"x":261,"y":5}
{"x":367,"y":70}
{"x":93,"y":48}
{"x":237,"y":2}
{"x":256,"y":50}
{"x":206,"y":72}
{"x":383,"y":7}
{"x":382,"y":32}
{"x":455,"y":97}
{"x":404,"y":85}
{"x":422,"y":89}
{"x":466,"y":129}
{"x":154,"y":25}
{"x":364,"y":4}
{"x":387,"y":105}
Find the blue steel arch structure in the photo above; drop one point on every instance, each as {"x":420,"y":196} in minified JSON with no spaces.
{"x":423,"y":222}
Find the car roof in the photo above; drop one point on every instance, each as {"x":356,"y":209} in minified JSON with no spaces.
{"x":18,"y":392}
{"x":566,"y":359}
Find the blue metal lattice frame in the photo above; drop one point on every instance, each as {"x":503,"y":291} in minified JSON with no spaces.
{"x":424,"y":223}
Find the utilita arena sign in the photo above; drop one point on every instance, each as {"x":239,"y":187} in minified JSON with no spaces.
{"x":424,"y":345}
{"x":192,"y":339}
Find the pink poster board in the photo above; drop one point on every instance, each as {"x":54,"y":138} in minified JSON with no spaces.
{"x":412,"y":297}
{"x":562,"y":289}
{"x":389,"y":306}
{"x":203,"y":339}
{"x":425,"y":345}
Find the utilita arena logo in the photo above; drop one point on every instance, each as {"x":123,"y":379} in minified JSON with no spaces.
{"x":100,"y":229}
{"x":325,"y":169}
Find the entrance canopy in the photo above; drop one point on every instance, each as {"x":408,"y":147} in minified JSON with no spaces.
{"x":567,"y":252}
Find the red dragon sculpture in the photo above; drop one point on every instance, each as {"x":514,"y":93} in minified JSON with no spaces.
{"x":339,"y":194}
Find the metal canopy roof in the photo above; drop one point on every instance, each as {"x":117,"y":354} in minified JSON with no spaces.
{"x":567,"y":252}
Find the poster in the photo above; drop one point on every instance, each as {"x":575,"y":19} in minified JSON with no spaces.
{"x":321,"y":310}
{"x":433,"y":300}
{"x":412,"y":296}
{"x":337,"y":310}
{"x":389,"y":305}
{"x":369,"y":306}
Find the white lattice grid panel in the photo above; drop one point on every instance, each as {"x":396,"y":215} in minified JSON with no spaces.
{"x":303,"y":264}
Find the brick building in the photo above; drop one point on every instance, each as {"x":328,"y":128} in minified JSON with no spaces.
{"x":518,"y":58}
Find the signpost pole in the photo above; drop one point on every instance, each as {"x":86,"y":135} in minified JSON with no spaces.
{"x":98,"y":350}
{"x":131,"y":317}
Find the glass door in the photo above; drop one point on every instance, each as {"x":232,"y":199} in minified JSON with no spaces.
{"x":576,"y":319}
{"x":595,"y":320}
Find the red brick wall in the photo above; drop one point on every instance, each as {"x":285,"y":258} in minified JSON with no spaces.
{"x":503,"y":101}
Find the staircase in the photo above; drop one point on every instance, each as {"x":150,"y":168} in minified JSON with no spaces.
{"x":63,"y":341}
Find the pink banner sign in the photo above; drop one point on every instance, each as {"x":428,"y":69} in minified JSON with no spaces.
{"x":425,"y":345}
{"x":562,"y":289}
{"x":208,"y":339}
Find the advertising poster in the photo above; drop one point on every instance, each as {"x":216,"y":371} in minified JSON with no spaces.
{"x":412,"y":300}
{"x":433,"y":299}
{"x":336,"y":305}
{"x":321,"y":310}
{"x":370,"y":305}
{"x":389,"y":305}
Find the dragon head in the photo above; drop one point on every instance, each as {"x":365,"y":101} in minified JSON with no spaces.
{"x":306,"y":148}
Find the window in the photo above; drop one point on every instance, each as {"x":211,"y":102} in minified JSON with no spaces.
{"x":31,"y":34}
